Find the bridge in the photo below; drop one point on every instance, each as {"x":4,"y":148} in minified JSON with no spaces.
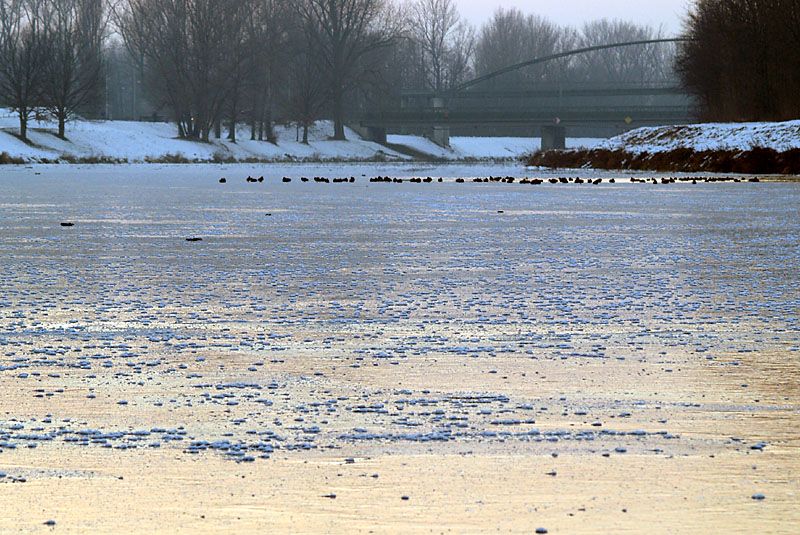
{"x":585,"y":110}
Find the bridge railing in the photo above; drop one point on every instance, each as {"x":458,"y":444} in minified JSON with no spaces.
{"x":654,"y":87}
{"x":576,"y":96}
{"x":632,"y":114}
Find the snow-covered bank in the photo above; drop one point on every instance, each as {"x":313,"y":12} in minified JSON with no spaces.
{"x":744,"y":148}
{"x":465,"y":148}
{"x":139,"y":142}
{"x":128,"y":141}
{"x":708,"y":137}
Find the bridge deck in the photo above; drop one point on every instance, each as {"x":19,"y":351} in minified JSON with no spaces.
{"x":550,"y":91}
{"x":638,"y":115}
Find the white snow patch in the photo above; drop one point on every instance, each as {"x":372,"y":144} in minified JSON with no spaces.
{"x":141,"y":141}
{"x":422,"y":145}
{"x":708,"y":136}
{"x":483,"y":148}
{"x":138,"y":141}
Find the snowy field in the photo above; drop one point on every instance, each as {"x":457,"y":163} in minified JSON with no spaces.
{"x":137,"y":141}
{"x":347,"y":358}
{"x":483,"y":147}
{"x":708,"y":136}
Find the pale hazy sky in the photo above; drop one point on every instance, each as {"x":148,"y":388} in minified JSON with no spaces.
{"x":668,"y":13}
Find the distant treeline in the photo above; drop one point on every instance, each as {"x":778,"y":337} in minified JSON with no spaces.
{"x":213,"y":64}
{"x":744,"y":59}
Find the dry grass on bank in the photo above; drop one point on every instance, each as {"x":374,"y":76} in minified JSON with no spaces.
{"x":758,"y":160}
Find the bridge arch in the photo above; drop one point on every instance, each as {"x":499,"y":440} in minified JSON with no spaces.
{"x":560,"y":55}
{"x":434,"y":114}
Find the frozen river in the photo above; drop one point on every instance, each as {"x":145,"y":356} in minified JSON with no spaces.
{"x":502,"y":355}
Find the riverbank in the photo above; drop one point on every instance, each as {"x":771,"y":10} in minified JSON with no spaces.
{"x":742,"y":148}
{"x":93,"y":142}
{"x":143,"y":142}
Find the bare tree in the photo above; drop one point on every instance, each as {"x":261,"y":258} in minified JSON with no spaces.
{"x":121,"y":77}
{"x":511,"y":37}
{"x":214,"y":32}
{"x":307,"y":96}
{"x":742,"y":58}
{"x":445,"y":42}
{"x":346,"y":32}
{"x":74,"y":48}
{"x":620,"y":65}
{"x":22,"y":56}
{"x":460,"y":55}
{"x":240,"y":53}
{"x":399,"y":68}
{"x":157,"y":46}
{"x":269,"y":48}
{"x":187,"y":46}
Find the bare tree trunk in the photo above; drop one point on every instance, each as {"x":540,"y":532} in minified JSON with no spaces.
{"x":345,"y":33}
{"x":442,"y":39}
{"x":195,"y":50}
{"x":204,"y":126}
{"x":23,"y":57}
{"x":261,"y":124}
{"x":73,"y":71}
{"x":232,"y":124}
{"x":338,"y":114}
{"x":268,"y":127}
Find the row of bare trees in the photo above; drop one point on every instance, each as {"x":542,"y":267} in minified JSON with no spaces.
{"x":219,"y":60}
{"x":743,"y":60}
{"x":50,"y":56}
{"x":447,"y":51}
{"x":211,"y":64}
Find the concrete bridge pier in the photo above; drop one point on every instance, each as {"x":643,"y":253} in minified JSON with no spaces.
{"x":554,"y":138}
{"x":439,"y":135}
{"x":376,"y":134}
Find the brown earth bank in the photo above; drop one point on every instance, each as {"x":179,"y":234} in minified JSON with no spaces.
{"x":754,"y":161}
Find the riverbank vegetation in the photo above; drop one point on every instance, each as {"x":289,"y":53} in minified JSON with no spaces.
{"x":743,"y":59}
{"x":758,"y":160}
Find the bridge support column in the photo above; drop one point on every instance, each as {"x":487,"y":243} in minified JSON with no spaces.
{"x":376,"y":134}
{"x":554,"y":138}
{"x":440,"y":135}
